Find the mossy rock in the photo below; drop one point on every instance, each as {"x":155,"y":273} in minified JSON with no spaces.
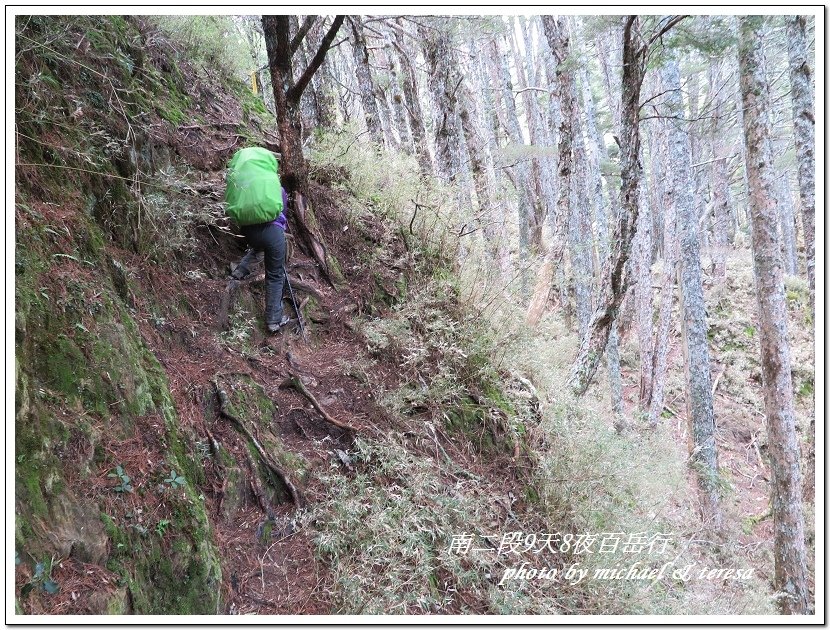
{"x":469,"y":418}
{"x":76,"y":378}
{"x":477,"y":419}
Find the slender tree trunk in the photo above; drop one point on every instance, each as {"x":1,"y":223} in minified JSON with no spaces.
{"x":413,"y":105}
{"x":308,"y":107}
{"x":696,"y":153}
{"x":720,"y":177}
{"x":658,"y":171}
{"x":787,"y":222}
{"x":664,"y":225}
{"x":341,"y":65}
{"x":322,"y":84}
{"x":788,"y":518}
{"x":521,"y":172}
{"x":556,"y":34}
{"x":804,"y":128}
{"x":382,"y":98}
{"x":581,"y":241}
{"x":540,"y":131}
{"x":364,"y":81}
{"x":670,"y":249}
{"x":398,"y":103}
{"x":615,"y":278}
{"x":478,"y":153}
{"x":596,"y":153}
{"x":643,"y":299}
{"x":699,"y":406}
{"x":536,"y":188}
{"x":444,"y":82}
{"x":496,"y":230}
{"x":609,"y":46}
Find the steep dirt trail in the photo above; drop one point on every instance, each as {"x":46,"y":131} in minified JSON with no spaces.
{"x":276,"y":572}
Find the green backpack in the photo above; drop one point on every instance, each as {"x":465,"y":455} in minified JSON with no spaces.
{"x":253,"y":193}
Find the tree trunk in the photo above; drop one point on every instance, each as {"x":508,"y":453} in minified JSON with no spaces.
{"x":556,"y":34}
{"x":615,"y":278}
{"x":535,"y":183}
{"x":529,"y":234}
{"x":804,"y":128}
{"x":444,"y":81}
{"x":699,"y":407}
{"x":720,"y":178}
{"x":580,"y":233}
{"x":788,"y":519}
{"x":293,"y":170}
{"x":398,"y":103}
{"x":322,"y":84}
{"x":478,"y":152}
{"x":696,"y":151}
{"x":787,"y":223}
{"x":609,"y":46}
{"x":664,"y":317}
{"x":541,"y":133}
{"x":643,"y":299}
{"x":596,"y":153}
{"x":365,"y":83}
{"x":388,"y":121}
{"x":287,"y":95}
{"x":667,"y":209}
{"x":496,"y":229}
{"x":413,"y":105}
{"x":308,"y":107}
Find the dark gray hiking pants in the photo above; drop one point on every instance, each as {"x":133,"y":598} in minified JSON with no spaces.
{"x":267,"y":239}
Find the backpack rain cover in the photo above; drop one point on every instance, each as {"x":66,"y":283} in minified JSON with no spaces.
{"x":253,"y":193}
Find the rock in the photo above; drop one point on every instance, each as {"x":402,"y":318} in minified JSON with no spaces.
{"x":109,"y":603}
{"x":344,"y":458}
{"x":76,"y":530}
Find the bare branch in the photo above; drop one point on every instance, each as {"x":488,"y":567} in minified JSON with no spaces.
{"x":656,"y":96}
{"x":296,"y":91}
{"x":669,"y":25}
{"x":532,"y":89}
{"x":302,"y":32}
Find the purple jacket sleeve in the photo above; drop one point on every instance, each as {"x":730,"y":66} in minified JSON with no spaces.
{"x":281,"y":220}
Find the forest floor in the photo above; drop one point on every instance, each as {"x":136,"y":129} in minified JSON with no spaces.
{"x":739,"y":409}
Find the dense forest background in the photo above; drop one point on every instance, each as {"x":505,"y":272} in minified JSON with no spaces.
{"x":559,"y":277}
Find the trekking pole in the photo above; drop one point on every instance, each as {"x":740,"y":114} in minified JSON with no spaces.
{"x":296,"y":308}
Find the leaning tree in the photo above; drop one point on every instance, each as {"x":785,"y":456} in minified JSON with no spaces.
{"x":281,"y":47}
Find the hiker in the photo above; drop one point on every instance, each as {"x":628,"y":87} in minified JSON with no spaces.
{"x":257,"y":202}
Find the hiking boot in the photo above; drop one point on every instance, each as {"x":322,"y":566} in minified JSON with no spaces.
{"x":238,"y":273}
{"x":272,"y":328}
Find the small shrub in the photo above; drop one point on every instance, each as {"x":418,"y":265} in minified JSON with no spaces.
{"x":175,"y":480}
{"x":123,"y":478}
{"x":42,"y":579}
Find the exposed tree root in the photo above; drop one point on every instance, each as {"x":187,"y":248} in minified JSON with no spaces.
{"x":269,"y":463}
{"x":295,"y":382}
